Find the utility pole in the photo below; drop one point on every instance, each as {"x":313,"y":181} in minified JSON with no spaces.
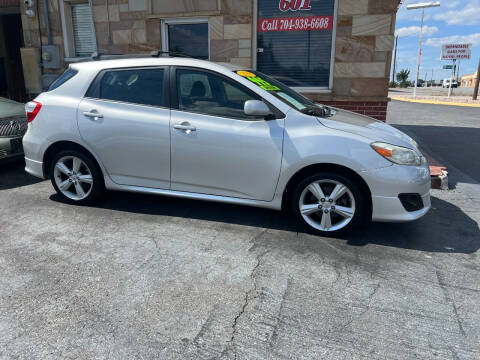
{"x":422,"y":6}
{"x":419,"y":59}
{"x":477,"y":81}
{"x":458,"y":71}
{"x":395,"y":59}
{"x":451,"y":77}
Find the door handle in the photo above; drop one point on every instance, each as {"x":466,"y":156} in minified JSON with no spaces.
{"x":185,"y":126}
{"x":93,"y":114}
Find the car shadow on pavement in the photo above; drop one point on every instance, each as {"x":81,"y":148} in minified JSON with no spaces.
{"x":446,"y":228}
{"x":13,"y":175}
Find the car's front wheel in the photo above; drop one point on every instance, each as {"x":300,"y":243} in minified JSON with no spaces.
{"x":330,"y":204}
{"x":76,"y":177}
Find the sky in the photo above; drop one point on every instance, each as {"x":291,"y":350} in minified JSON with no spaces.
{"x":455,"y":21}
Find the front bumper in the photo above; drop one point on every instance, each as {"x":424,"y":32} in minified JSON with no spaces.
{"x":387,"y":183}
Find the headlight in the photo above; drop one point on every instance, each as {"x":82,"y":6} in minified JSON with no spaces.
{"x":397,"y":154}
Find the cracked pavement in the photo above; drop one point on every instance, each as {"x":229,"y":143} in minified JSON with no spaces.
{"x":145,"y":277}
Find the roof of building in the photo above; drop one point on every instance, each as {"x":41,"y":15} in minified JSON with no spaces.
{"x":469,"y":76}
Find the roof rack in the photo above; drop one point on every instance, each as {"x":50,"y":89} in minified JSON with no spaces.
{"x":96,"y":56}
{"x":158,"y":53}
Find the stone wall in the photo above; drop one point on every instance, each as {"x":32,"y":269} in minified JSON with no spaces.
{"x":130,"y":26}
{"x":363,"y":55}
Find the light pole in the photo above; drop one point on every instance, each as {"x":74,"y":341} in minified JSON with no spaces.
{"x":422,"y":6}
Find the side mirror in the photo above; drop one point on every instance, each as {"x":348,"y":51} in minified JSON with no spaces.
{"x":256,"y":108}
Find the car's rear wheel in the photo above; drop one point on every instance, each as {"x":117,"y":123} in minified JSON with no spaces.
{"x":76,"y":177}
{"x":330,"y":204}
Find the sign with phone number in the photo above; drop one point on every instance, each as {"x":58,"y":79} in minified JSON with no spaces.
{"x":304,"y":23}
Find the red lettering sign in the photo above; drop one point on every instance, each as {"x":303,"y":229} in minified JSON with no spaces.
{"x":305,"y":23}
{"x":294,"y":5}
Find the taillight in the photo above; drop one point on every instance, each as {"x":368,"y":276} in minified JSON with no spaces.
{"x":31,"y":109}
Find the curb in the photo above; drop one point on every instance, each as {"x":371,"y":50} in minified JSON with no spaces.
{"x":439,"y":181}
{"x":434,"y":102}
{"x":438,"y":173}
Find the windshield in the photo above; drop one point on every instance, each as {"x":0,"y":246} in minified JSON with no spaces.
{"x":279,"y":90}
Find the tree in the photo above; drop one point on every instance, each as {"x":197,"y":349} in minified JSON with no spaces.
{"x":402,"y":78}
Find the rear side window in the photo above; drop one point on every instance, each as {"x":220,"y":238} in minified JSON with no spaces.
{"x":62,"y":79}
{"x":139,"y":86}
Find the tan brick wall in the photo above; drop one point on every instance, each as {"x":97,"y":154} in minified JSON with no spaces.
{"x":364,"y":43}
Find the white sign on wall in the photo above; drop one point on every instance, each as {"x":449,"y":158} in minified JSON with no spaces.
{"x":456,"y":52}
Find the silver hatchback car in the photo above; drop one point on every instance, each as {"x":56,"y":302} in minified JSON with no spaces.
{"x":201,"y":130}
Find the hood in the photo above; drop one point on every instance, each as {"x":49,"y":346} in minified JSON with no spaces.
{"x":367,"y":127}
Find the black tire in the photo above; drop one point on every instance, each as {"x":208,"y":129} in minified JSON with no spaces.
{"x":362,"y":214}
{"x":97,"y":186}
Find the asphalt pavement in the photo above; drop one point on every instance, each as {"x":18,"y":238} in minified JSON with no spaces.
{"x":146,"y":277}
{"x":451,"y":133}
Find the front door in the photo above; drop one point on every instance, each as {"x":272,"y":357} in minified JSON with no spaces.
{"x":125,"y":120}
{"x":216,"y":148}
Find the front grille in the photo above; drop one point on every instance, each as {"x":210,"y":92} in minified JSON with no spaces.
{"x":13,"y":126}
{"x":3,"y":153}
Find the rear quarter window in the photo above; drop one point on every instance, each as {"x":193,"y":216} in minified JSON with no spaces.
{"x":62,"y":79}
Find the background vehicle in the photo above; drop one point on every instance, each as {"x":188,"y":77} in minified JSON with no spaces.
{"x":446,"y":83}
{"x":13,"y":126}
{"x":195,"y":129}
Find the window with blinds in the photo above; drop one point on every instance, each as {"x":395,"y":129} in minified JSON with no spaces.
{"x":294,"y":40}
{"x":83,"y":33}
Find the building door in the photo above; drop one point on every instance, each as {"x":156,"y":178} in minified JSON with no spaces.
{"x":11,"y":72}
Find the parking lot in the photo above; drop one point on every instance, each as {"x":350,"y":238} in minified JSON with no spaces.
{"x":146,"y":277}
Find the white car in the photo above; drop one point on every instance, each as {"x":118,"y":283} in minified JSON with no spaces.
{"x":195,"y":129}
{"x":446,"y":83}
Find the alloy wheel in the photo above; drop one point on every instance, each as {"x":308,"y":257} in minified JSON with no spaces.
{"x":327,"y":205}
{"x":73,"y":178}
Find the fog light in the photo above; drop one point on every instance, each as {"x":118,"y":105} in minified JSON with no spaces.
{"x":411,"y":202}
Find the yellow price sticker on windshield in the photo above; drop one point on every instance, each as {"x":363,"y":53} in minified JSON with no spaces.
{"x":245,"y":73}
{"x":265,"y":85}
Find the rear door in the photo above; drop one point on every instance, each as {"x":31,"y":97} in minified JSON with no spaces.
{"x":125,"y":119}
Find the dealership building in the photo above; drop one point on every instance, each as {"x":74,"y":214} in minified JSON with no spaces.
{"x":336,"y":52}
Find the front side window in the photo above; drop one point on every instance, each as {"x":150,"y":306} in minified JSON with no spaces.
{"x":210,"y":94}
{"x":139,"y":86}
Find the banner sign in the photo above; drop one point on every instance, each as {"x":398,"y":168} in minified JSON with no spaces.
{"x":456,"y":52}
{"x":304,"y":23}
{"x":294,"y":41}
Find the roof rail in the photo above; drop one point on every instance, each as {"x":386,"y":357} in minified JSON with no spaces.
{"x":96,"y":56}
{"x":158,"y":53}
